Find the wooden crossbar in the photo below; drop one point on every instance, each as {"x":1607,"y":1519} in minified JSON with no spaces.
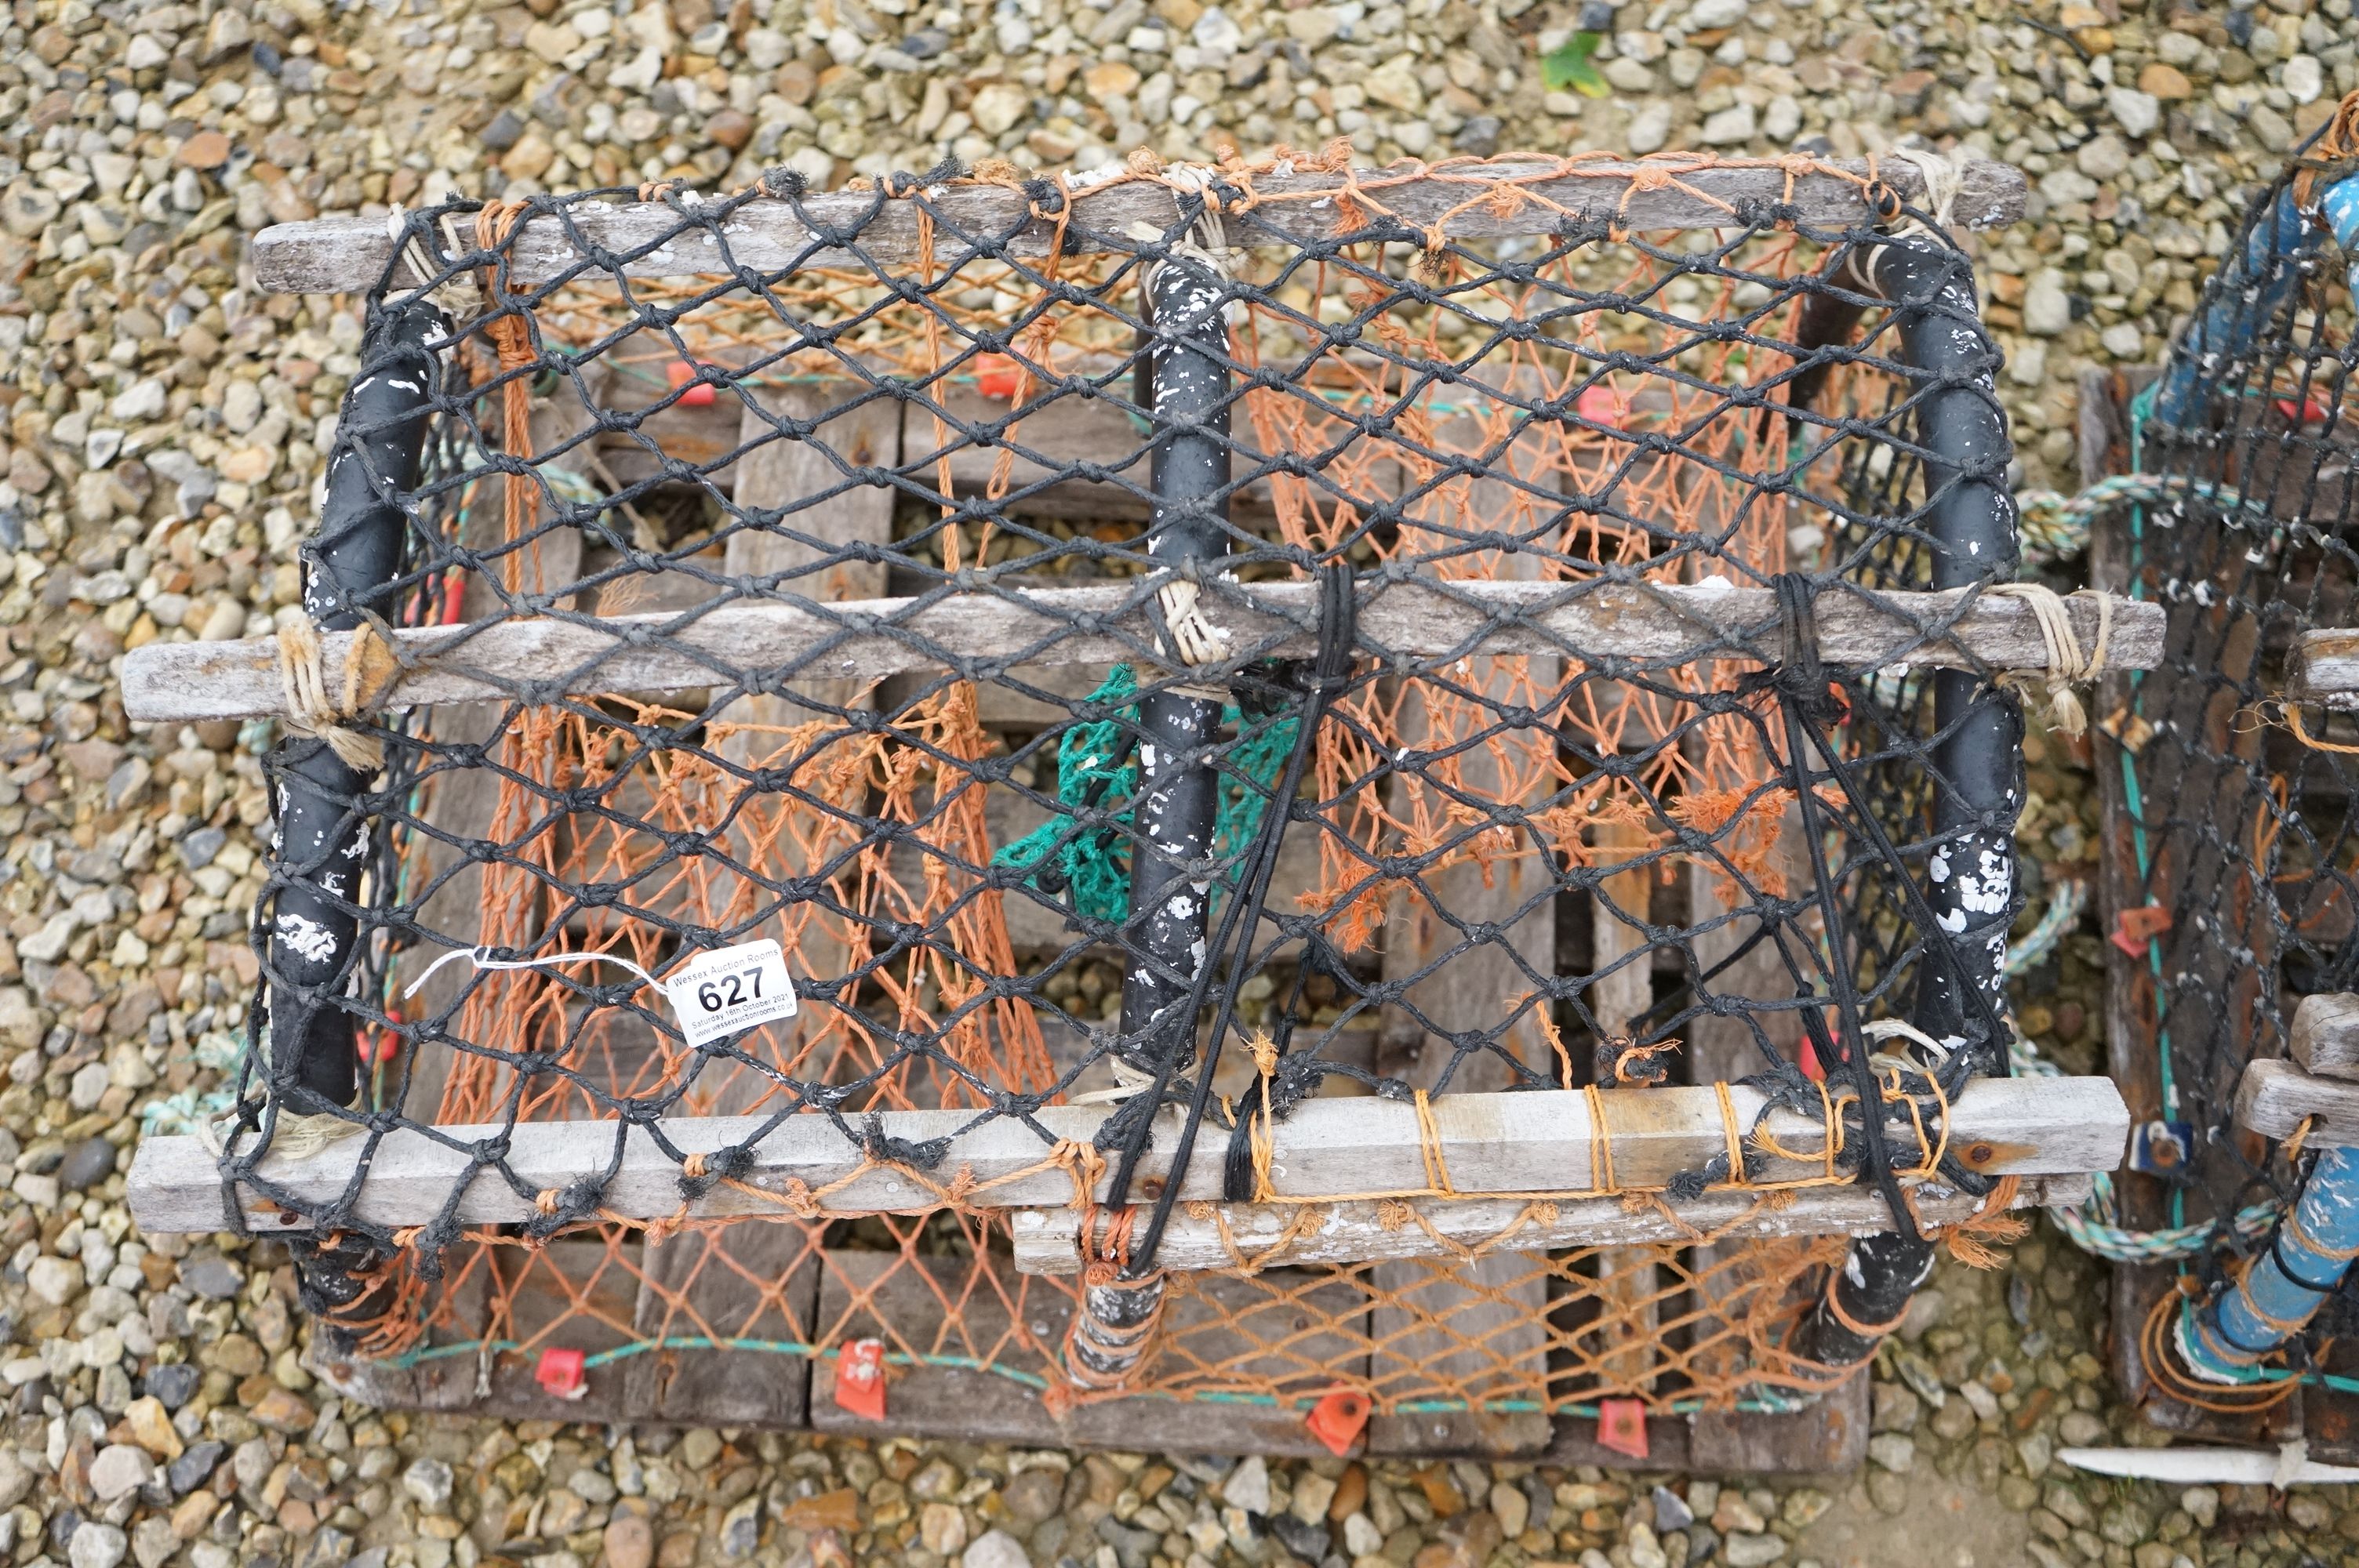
{"x":2323,"y":668}
{"x":1536,"y":1141}
{"x":2325,"y":1036}
{"x":1270,"y":1235}
{"x":331,"y":255}
{"x":2320,"y":1087}
{"x":540,"y":659}
{"x":2275,"y":1099}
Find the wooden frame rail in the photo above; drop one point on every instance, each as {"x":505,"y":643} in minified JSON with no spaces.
{"x":2323,"y":668}
{"x":1538,"y":1142}
{"x":2320,"y":1086}
{"x":1269,"y":1236}
{"x":543,"y":658}
{"x":331,"y":255}
{"x":2275,"y":1098}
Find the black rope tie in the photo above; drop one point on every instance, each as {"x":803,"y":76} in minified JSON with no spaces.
{"x":1812,"y":706}
{"x":1799,"y":679}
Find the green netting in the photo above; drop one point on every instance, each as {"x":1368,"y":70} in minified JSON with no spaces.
{"x":1082,"y":851}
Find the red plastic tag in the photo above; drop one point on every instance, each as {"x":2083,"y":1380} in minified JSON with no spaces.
{"x":1809,"y":1063}
{"x":860,"y":1379}
{"x":680,"y":373}
{"x":1601,"y":405}
{"x":1338,"y":1419}
{"x":997,"y":375}
{"x":1622,"y":1427}
{"x":560,"y":1374}
{"x":378,"y":1045}
{"x":2138,"y":926}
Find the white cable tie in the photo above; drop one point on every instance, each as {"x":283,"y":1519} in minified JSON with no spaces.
{"x":481,"y":958}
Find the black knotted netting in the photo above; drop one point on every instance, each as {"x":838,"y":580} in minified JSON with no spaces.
{"x":1255,"y":650}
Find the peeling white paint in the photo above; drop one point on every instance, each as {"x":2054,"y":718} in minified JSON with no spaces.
{"x":310,"y":939}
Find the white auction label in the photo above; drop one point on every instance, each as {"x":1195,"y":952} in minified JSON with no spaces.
{"x":731,"y":990}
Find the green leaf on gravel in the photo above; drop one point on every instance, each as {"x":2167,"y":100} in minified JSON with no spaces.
{"x":1569,"y":67}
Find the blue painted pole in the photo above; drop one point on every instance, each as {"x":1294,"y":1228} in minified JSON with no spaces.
{"x":2248,"y":298}
{"x":2287,"y":1284}
{"x":2340,"y":208}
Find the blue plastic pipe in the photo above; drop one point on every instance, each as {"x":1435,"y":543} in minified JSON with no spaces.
{"x":2248,"y":297}
{"x":2340,"y":208}
{"x":2285,"y":1284}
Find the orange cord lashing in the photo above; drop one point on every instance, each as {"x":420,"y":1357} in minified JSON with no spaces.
{"x":1974,"y":1241}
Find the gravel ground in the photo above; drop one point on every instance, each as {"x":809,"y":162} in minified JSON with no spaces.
{"x":165,"y":425}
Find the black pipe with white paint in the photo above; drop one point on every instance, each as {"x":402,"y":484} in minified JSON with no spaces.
{"x":1179,"y":794}
{"x":323,"y":828}
{"x":1969,"y":519}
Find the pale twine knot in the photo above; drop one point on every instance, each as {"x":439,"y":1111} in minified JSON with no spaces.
{"x":455,"y":295}
{"x":1193,"y":636}
{"x":1206,"y":242}
{"x":370,"y":667}
{"x":1943,"y":180}
{"x":293,"y":1137}
{"x":2066,"y":664}
{"x":1128,"y":1081}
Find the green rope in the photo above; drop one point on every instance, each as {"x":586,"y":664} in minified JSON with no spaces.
{"x":1096,"y":772}
{"x":2055,"y":526}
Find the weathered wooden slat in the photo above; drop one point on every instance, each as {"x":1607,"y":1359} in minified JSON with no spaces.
{"x":465,"y":801}
{"x":2324,"y":669}
{"x":2274,"y":1098}
{"x":1010,"y":627}
{"x":1618,"y":914}
{"x":1047,"y":1242}
{"x":1828,"y":1438}
{"x":1537,"y":1141}
{"x":861,"y":229}
{"x":2326,"y":1034}
{"x":755,"y":1281}
{"x":1473,"y":1332}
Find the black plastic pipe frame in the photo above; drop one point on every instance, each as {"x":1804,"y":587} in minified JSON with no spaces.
{"x":323,"y":828}
{"x":1977,"y":756}
{"x":1179,"y":792}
